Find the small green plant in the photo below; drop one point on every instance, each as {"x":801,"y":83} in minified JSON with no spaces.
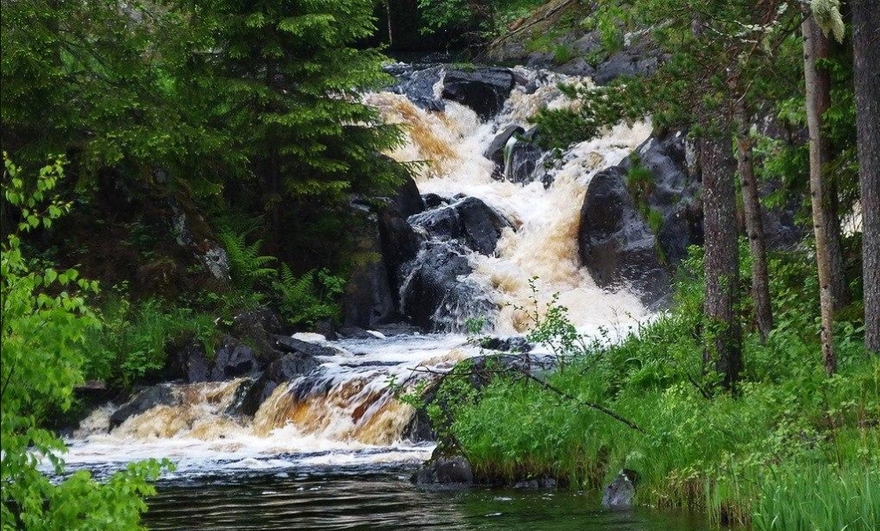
{"x":562,"y":53}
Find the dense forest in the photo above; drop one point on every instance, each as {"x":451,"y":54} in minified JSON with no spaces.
{"x":193,"y":191}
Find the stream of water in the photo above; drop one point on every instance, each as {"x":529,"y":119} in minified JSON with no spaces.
{"x":328,"y":450}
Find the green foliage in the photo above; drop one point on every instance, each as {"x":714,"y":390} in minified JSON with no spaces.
{"x":132,"y":343}
{"x":562,"y":54}
{"x":247,"y":267}
{"x":311,"y":297}
{"x":479,"y":20}
{"x":45,"y":324}
{"x":795,"y":450}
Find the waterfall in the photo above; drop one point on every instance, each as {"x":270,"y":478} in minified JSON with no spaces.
{"x":346,"y":412}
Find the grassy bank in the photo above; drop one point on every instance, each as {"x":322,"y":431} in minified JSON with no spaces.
{"x":792,"y":450}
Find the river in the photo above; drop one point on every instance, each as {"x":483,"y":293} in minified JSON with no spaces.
{"x":330,"y":450}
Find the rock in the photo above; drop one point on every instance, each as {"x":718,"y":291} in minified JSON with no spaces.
{"x":539,"y":483}
{"x":256,"y":328}
{"x":484,"y":90}
{"x":192,"y":362}
{"x":399,"y":242}
{"x":624,"y":64}
{"x":576,"y":67}
{"x":436,"y":294}
{"x":297,"y":346}
{"x":507,"y":344}
{"x":369,"y":297}
{"x":418,"y":87}
{"x":616,"y":244}
{"x":619,"y":493}
{"x":673,"y":193}
{"x":468,"y":220}
{"x":522,"y":161}
{"x":233,"y":359}
{"x":253,"y":392}
{"x":157,"y":395}
{"x":433,"y":200}
{"x":495,"y":151}
{"x":454,"y":470}
{"x":408,"y":201}
{"x":354,"y":332}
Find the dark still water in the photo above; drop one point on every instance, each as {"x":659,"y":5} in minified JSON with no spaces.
{"x":387,"y":501}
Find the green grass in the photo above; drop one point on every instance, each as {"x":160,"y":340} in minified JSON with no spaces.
{"x":794,"y":450}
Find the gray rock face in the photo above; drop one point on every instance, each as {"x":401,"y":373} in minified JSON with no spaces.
{"x":495,"y":151}
{"x":484,"y":90}
{"x":233,"y":359}
{"x":619,"y":493}
{"x":435,"y":295}
{"x":297,"y":346}
{"x":455,"y":470}
{"x":369,"y":298}
{"x":418,"y":86}
{"x":468,"y":220}
{"x":157,"y":395}
{"x":674,"y":193}
{"x":616,"y":244}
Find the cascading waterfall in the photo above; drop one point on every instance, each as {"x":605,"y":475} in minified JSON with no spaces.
{"x":345,"y":412}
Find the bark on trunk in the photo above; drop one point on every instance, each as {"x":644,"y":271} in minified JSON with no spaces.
{"x":721,"y":266}
{"x":866,"y":55}
{"x":754,"y":225}
{"x":817,"y":101}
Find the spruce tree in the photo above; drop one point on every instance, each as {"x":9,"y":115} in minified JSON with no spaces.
{"x":287,"y":78}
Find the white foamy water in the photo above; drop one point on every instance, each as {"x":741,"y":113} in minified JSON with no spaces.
{"x":345,"y":414}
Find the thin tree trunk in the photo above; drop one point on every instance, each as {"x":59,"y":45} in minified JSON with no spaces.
{"x":754,"y":225}
{"x":817,"y":102}
{"x":866,"y":55}
{"x":388,"y":14}
{"x":839,"y":291}
{"x":721,"y":266}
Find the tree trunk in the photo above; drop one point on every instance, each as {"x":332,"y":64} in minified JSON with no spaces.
{"x":721,"y":266}
{"x":754,"y":225}
{"x":866,"y":55}
{"x":817,"y":102}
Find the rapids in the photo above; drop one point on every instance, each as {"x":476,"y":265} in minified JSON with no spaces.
{"x":344,"y":415}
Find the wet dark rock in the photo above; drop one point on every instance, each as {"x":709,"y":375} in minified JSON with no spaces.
{"x":468,"y":220}
{"x":616,"y":244}
{"x":369,"y":297}
{"x":297,"y":346}
{"x":619,"y":493}
{"x":624,"y":64}
{"x":418,"y":86}
{"x":408,"y":201}
{"x":251,"y":393}
{"x":673,"y":192}
{"x":399,"y":329}
{"x":538,"y":483}
{"x":576,"y":67}
{"x":433,"y":200}
{"x":355,"y":332}
{"x":157,"y":395}
{"x":454,"y":470}
{"x":400,"y":243}
{"x":484,"y":90}
{"x":522,"y":162}
{"x":192,"y":362}
{"x":256,"y":328}
{"x":233,"y":358}
{"x":506,"y":344}
{"x":436,"y":294}
{"x":495,"y":151}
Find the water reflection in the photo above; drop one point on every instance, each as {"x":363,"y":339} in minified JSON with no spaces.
{"x":387,"y":502}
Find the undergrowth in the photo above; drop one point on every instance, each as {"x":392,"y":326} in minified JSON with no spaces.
{"x":792,"y":450}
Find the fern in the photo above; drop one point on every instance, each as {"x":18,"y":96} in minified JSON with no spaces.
{"x":247,"y":266}
{"x":309,"y":298}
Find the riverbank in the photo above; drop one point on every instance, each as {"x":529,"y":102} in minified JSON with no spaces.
{"x":791,"y":450}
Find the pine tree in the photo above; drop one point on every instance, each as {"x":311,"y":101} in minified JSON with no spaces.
{"x":287,"y":80}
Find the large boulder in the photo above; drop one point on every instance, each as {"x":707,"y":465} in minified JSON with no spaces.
{"x":484,"y":89}
{"x":453,"y":470}
{"x":619,"y":493}
{"x":369,"y":297}
{"x":418,"y":86}
{"x":252,"y":393}
{"x":297,"y":346}
{"x":495,"y":151}
{"x":436,"y":294}
{"x":157,"y":395}
{"x":469,"y":221}
{"x":234,"y":358}
{"x":615,"y":242}
{"x":672,"y":193}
